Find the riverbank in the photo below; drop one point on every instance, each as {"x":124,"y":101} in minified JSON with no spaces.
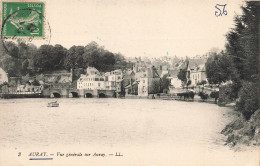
{"x":242,"y":132}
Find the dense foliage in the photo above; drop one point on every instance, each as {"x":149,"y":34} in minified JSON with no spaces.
{"x":240,"y":61}
{"x":215,"y":95}
{"x":165,"y":83}
{"x":243,"y":48}
{"x":182,"y":75}
{"x":218,"y":68}
{"x":22,"y":59}
{"x":203,"y":96}
{"x":248,"y":99}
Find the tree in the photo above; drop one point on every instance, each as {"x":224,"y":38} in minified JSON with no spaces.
{"x":43,"y":60}
{"x":25,"y":65}
{"x":120,"y":62}
{"x":248,"y":99}
{"x":182,"y":75}
{"x":243,"y":46}
{"x":218,"y":68}
{"x":165,"y":83}
{"x":107,"y":61}
{"x":243,"y":49}
{"x":74,"y":58}
{"x":9,"y":64}
{"x":58,"y":57}
{"x":155,"y":87}
{"x":12,"y":49}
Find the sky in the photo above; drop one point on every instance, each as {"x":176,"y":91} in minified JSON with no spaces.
{"x":142,"y":27}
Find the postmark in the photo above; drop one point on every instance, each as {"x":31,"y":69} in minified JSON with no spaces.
{"x":23,"y":19}
{"x":24,"y":22}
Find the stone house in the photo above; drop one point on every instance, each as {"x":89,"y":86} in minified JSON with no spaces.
{"x":149,"y":82}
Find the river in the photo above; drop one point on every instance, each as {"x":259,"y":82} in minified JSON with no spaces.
{"x":146,"y":132}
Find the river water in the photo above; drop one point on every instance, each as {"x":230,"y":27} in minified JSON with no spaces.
{"x":146,"y":132}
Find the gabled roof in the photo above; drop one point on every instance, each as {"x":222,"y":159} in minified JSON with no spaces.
{"x":151,"y":73}
{"x":194,"y":63}
{"x":173,"y":73}
{"x":201,"y":68}
{"x":92,"y":70}
{"x":183,"y":65}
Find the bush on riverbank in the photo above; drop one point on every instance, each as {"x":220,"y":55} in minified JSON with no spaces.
{"x":215,"y":95}
{"x":247,"y":103}
{"x":203,"y":96}
{"x":241,"y":131}
{"x":186,"y":95}
{"x":225,"y":94}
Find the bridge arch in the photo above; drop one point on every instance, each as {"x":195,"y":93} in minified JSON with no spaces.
{"x":74,"y":94}
{"x":56,"y":94}
{"x":101,"y":95}
{"x":88,"y":95}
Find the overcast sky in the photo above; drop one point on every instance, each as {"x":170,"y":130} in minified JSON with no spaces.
{"x":142,"y":27}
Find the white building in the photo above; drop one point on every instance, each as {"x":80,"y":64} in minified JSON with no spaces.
{"x":197,"y":75}
{"x":175,"y":82}
{"x":93,"y":80}
{"x":3,"y":76}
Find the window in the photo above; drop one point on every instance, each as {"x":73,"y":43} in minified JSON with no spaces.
{"x":98,"y":84}
{"x":143,"y":81}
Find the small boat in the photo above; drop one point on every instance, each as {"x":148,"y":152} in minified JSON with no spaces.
{"x":53,"y":104}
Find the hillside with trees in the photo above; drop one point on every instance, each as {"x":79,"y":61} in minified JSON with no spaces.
{"x":22,"y":59}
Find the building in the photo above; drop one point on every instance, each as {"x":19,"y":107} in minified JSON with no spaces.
{"x":131,"y":89}
{"x":3,"y":76}
{"x":92,"y":81}
{"x":197,"y":75}
{"x":173,"y":77}
{"x":149,"y":82}
{"x":30,"y":86}
{"x":113,"y":80}
{"x":128,"y":77}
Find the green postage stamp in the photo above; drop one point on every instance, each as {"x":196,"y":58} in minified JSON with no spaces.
{"x":23,"y":19}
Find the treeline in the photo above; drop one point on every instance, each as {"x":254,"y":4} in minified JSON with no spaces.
{"x":239,"y":62}
{"x":22,"y":59}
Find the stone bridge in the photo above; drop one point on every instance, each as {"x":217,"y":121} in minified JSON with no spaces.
{"x":96,"y":93}
{"x":74,"y":93}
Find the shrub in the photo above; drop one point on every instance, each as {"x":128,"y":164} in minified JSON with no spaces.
{"x":215,"y":95}
{"x":225,"y":94}
{"x":203,"y":82}
{"x":203,"y":96}
{"x":188,"y":95}
{"x":247,"y":102}
{"x":191,"y":94}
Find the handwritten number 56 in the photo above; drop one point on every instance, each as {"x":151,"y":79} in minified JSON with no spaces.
{"x":220,"y":10}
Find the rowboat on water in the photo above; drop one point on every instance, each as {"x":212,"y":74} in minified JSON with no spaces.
{"x":53,"y":104}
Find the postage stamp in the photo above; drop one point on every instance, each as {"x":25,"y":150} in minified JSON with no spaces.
{"x":23,"y":19}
